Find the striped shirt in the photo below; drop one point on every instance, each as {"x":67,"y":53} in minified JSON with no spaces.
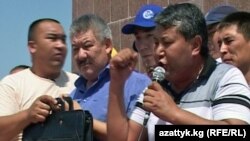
{"x":221,"y":92}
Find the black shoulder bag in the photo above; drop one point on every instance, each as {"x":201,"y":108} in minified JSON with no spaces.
{"x":72,"y":125}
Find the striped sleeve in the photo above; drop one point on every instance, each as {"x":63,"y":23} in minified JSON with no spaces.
{"x":232,"y":99}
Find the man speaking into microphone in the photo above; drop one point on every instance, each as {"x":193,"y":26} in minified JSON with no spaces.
{"x":198,"y":90}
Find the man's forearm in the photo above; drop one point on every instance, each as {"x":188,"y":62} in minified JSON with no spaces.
{"x":100,"y":129}
{"x":12,"y":125}
{"x":117,"y":125}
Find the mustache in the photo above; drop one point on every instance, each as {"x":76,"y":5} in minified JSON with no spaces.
{"x":83,"y":62}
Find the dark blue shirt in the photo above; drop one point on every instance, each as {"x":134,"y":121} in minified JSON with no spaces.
{"x":95,"y":98}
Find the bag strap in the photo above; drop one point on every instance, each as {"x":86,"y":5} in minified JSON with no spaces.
{"x":60,"y":103}
{"x":70,"y":102}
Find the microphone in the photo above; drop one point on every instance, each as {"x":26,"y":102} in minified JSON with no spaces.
{"x":158,"y":74}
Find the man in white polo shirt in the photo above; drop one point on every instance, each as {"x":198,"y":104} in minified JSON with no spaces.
{"x":27,"y":96}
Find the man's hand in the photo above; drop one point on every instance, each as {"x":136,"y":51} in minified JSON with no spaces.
{"x":41,"y":108}
{"x":159,"y":102}
{"x":123,"y":64}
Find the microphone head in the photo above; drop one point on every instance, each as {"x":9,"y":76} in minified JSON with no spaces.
{"x":158,"y":74}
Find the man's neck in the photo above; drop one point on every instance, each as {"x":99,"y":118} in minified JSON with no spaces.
{"x":185,"y":82}
{"x":52,"y":75}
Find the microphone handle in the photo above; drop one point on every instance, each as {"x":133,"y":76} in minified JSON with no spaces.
{"x":146,"y":117}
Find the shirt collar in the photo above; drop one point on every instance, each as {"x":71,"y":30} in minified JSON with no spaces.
{"x":81,"y":81}
{"x":209,"y":66}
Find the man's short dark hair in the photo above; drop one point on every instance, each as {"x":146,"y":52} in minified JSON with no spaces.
{"x":189,"y":21}
{"x":241,"y":20}
{"x":34,"y":24}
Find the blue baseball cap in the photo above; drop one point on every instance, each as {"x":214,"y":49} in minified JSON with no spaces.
{"x":144,"y":18}
{"x":216,"y":14}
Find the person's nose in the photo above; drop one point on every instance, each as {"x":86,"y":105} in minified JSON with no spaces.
{"x":82,"y":54}
{"x":159,"y":53}
{"x":223,"y":48}
{"x":61,"y":44}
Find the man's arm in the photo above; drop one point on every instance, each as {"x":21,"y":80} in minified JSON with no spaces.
{"x":159,"y":102}
{"x":14,"y":124}
{"x":119,"y":127}
{"x":100,"y":129}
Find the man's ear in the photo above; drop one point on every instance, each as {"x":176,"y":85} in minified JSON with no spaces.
{"x":108,"y":46}
{"x":32,"y":47}
{"x":197,"y":42}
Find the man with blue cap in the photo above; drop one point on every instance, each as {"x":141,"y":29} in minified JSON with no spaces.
{"x":142,"y":27}
{"x":213,"y":18}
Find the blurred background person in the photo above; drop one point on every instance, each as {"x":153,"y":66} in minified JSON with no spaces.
{"x":18,"y":68}
{"x":213,"y":18}
{"x":234,"y":41}
{"x":142,"y":28}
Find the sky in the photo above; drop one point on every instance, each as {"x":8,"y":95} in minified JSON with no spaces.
{"x":15,"y":18}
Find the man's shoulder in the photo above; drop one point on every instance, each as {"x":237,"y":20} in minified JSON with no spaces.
{"x":221,"y":64}
{"x":226,"y":73}
{"x":223,"y":68}
{"x":24,"y":74}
